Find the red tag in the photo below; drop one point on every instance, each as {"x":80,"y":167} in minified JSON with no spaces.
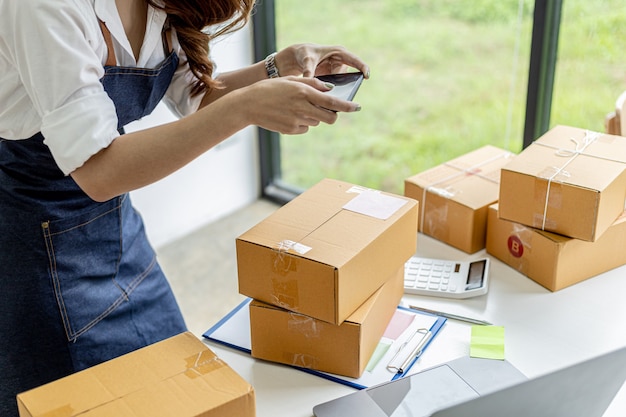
{"x":516,"y":247}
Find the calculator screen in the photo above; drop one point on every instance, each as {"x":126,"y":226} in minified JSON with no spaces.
{"x":476,"y":275}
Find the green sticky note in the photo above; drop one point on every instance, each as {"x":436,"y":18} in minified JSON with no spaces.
{"x":487,"y":342}
{"x":378,"y":354}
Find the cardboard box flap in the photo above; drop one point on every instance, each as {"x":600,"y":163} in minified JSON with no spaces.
{"x":345,"y":235}
{"x":563,"y":153}
{"x":326,"y":233}
{"x":167,"y":378}
{"x":466,"y":179}
{"x":569,"y":141}
{"x":302,"y":215}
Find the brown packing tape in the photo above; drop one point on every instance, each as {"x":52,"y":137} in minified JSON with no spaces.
{"x":202,"y":363}
{"x":436,"y":187}
{"x":301,"y":360}
{"x":285,"y":293}
{"x":304,"y":325}
{"x":284,"y":289}
{"x":435,"y":216}
{"x":283,"y":262}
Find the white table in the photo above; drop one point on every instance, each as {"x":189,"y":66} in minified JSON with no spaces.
{"x":544,"y":331}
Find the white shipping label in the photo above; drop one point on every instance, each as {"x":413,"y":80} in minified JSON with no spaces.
{"x":375,"y":204}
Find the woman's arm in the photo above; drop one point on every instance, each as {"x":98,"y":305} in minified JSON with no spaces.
{"x":234,"y":80}
{"x":288,"y":105}
{"x":298,"y":60}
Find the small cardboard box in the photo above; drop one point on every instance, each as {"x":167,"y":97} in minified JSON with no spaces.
{"x":294,"y":339}
{"x":328,"y":250}
{"x":179,"y":376}
{"x":569,"y":181}
{"x":554,"y":261}
{"x":454,"y":197}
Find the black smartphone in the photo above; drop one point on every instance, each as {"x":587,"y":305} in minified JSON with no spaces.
{"x":346,"y":84}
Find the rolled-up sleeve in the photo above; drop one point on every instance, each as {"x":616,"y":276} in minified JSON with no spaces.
{"x":74,"y":139}
{"x":54,"y":48}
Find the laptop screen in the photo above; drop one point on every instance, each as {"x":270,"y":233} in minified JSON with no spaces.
{"x":409,"y":397}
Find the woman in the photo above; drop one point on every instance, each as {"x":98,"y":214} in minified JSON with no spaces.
{"x":79,"y":283}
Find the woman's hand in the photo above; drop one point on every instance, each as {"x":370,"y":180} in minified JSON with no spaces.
{"x":290,"y":105}
{"x":308,"y":60}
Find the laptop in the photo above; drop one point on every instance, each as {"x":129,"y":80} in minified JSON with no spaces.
{"x":470,"y":387}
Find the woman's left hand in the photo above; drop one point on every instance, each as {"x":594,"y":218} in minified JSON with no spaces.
{"x":309,"y":60}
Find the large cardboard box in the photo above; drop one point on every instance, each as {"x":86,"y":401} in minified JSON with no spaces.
{"x":569,"y":181}
{"x":179,"y":377}
{"x":283,"y":336}
{"x":555,"y":261}
{"x":454,"y":197}
{"x":328,"y":250}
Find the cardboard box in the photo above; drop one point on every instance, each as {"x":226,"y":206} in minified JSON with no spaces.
{"x":328,"y":250}
{"x":569,"y":181}
{"x":554,"y":261}
{"x":294,"y":339}
{"x":454,"y":197}
{"x":179,"y":376}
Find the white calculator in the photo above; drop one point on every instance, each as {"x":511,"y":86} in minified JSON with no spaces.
{"x":444,"y":278}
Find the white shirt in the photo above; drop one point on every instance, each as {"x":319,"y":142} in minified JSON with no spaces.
{"x":52,"y":54}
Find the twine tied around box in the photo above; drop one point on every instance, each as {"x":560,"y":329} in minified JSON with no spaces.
{"x":572,"y":154}
{"x":473,"y":170}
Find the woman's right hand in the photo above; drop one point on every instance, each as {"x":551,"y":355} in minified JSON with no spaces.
{"x":291,"y":105}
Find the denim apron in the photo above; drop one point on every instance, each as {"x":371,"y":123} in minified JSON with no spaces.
{"x":79,"y":281}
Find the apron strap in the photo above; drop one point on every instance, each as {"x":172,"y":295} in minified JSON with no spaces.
{"x":111,"y":61}
{"x":167,"y":40}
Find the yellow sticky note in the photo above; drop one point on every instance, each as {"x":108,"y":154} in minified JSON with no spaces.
{"x":487,"y":342}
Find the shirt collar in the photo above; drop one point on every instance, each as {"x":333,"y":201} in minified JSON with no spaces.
{"x":107,"y":12}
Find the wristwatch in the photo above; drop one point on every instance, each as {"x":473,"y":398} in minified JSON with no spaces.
{"x":270,"y":66}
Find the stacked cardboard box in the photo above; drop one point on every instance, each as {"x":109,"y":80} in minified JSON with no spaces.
{"x":560,"y":216}
{"x":179,"y":376}
{"x":570,"y":181}
{"x":454,"y":197}
{"x":552,"y":260}
{"x":331,"y":258}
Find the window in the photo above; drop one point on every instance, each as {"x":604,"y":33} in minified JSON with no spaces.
{"x":448,"y":76}
{"x":591,"y":68}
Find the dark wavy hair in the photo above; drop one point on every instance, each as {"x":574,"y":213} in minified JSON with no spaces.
{"x":191,"y":19}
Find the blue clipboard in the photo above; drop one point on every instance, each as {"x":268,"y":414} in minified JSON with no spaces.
{"x":233,"y":331}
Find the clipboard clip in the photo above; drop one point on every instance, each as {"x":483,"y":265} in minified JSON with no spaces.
{"x":400,"y":368}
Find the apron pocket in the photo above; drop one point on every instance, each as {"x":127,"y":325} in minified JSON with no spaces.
{"x":86,"y":254}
